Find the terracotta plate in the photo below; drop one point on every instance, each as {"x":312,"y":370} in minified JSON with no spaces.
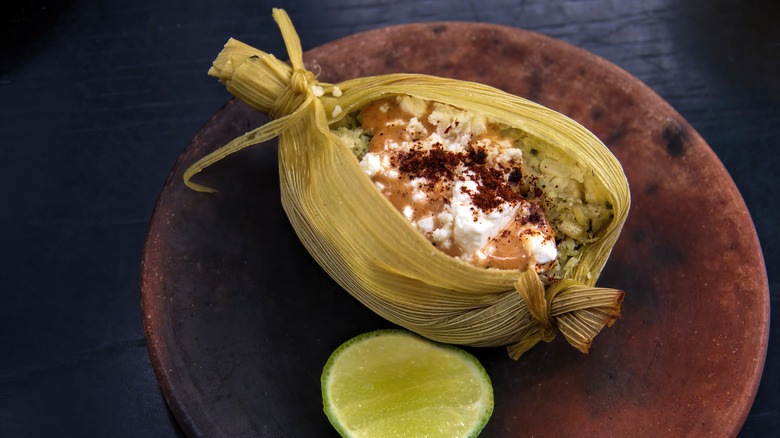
{"x":240,"y":320}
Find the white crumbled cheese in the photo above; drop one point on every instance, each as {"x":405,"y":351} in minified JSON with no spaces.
{"x":408,"y":212}
{"x":472,"y":228}
{"x":445,"y":216}
{"x":479,"y":123}
{"x":435,"y":138}
{"x":509,"y":153}
{"x":471,"y":234}
{"x":416,"y":183}
{"x":393,"y":145}
{"x":489,"y":148}
{"x":542,"y":249}
{"x":449,"y":145}
{"x":415,"y":129}
{"x":379,"y":186}
{"x":336,"y":91}
{"x":317,"y":90}
{"x":371,"y":164}
{"x":413,"y":105}
{"x":385,"y":107}
{"x":425,"y":224}
{"x":419,"y":196}
{"x":336,"y":110}
{"x":456,"y":146}
{"x":452,"y":123}
{"x":442,"y":236}
{"x":439,"y":118}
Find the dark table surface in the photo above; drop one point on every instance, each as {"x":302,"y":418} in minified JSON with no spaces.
{"x":99,"y":98}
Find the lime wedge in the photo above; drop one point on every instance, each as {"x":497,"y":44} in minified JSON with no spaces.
{"x":393,"y":383}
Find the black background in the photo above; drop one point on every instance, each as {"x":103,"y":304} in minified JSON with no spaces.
{"x":99,"y":98}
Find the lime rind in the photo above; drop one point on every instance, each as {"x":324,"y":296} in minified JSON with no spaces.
{"x":483,"y":406}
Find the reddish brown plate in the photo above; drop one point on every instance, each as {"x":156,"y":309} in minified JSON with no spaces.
{"x":240,"y":320}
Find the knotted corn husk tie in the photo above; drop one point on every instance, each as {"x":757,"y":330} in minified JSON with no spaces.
{"x":370,"y":249}
{"x":578,"y":311}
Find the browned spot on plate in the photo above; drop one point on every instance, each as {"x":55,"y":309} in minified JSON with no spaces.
{"x":674,"y":139}
{"x":439,"y":28}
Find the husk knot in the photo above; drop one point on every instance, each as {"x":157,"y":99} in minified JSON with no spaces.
{"x":301,"y":87}
{"x":577,"y":310}
{"x":302,"y":80}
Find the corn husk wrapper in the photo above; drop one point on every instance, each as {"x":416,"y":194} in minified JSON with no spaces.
{"x":371,"y":250}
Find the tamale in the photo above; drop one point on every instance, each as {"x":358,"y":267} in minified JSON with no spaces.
{"x":371,"y":249}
